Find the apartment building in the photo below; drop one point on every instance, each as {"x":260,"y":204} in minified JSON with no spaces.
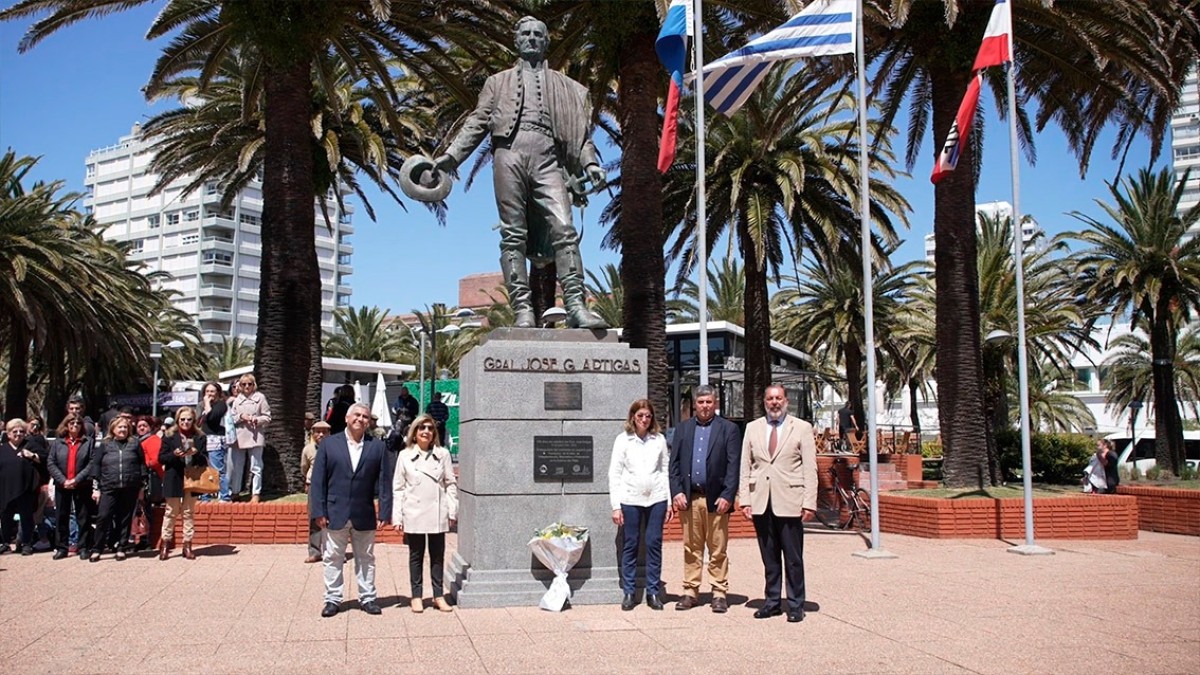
{"x":1185,"y":141}
{"x":213,"y":254}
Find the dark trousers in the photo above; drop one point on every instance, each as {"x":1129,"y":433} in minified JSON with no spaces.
{"x":416,"y":556}
{"x":652,"y":517}
{"x":116,"y":510}
{"x":79,"y":502}
{"x":781,"y":537}
{"x":23,"y":506}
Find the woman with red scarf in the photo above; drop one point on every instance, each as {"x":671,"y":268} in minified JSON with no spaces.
{"x":69,"y":466}
{"x":184,"y":446}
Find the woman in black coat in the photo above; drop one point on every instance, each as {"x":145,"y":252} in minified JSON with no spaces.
{"x":184,"y":446}
{"x":119,"y":469}
{"x":69,"y":464}
{"x":19,"y":485}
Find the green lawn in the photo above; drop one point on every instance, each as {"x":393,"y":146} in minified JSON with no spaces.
{"x":1004,"y":492}
{"x":1173,"y":484}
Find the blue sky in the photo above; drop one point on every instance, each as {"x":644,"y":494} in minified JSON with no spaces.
{"x":81,"y":89}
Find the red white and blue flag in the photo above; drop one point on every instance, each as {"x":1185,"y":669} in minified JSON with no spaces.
{"x":996,"y":50}
{"x":671,"y":46}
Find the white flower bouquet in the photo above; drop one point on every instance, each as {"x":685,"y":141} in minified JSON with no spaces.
{"x":559,"y":547}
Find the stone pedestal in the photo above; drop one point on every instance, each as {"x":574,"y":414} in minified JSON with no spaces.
{"x":554,"y":386}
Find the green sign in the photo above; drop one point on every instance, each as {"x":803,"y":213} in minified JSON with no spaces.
{"x":449,"y":391}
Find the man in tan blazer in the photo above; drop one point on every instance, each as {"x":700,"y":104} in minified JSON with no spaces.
{"x":778,"y":491}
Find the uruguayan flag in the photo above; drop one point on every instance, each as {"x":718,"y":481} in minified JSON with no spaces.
{"x":823,"y":28}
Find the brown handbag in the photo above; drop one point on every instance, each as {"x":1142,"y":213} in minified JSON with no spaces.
{"x":201,"y":480}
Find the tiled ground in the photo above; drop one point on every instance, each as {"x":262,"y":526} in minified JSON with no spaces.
{"x":941,"y":607}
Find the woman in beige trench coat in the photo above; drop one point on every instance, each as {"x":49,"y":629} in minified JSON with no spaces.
{"x":425,"y":506}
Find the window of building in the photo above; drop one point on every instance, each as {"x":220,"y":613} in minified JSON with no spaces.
{"x":344,"y":259}
{"x":343,"y":300}
{"x":91,"y":170}
{"x":218,"y":258}
{"x":172,"y":218}
{"x":344,"y":218}
{"x":191,"y":215}
{"x":247,"y":219}
{"x":135,"y":246}
{"x":153,"y":222}
{"x":210,"y":188}
{"x":190,"y":239}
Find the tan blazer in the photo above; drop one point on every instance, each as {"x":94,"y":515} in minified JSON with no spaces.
{"x":789,"y":481}
{"x":424,"y":491}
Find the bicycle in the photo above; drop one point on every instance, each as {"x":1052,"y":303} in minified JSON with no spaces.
{"x":852,"y":501}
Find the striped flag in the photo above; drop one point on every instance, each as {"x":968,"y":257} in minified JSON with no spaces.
{"x":671,"y":46}
{"x":996,"y":50}
{"x":823,"y":28}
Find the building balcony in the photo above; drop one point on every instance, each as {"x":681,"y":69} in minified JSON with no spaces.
{"x":216,"y":291}
{"x":345,"y":270}
{"x":206,"y":315}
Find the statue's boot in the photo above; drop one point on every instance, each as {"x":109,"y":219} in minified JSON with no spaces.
{"x":516,"y":279}
{"x":570,"y":277}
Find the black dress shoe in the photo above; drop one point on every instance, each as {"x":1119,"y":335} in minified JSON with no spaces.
{"x":796,"y":616}
{"x":628,"y":602}
{"x":372,"y":608}
{"x":767,"y":612}
{"x":686,"y":602}
{"x":59,"y":554}
{"x":27,"y":549}
{"x":655,"y":601}
{"x":330,"y":609}
{"x":5,"y":548}
{"x":719,"y":604}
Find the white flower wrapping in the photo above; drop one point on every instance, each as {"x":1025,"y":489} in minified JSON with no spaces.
{"x":559,"y":547}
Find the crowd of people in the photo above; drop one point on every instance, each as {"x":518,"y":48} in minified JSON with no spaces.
{"x":88,"y":488}
{"x":95,"y":480}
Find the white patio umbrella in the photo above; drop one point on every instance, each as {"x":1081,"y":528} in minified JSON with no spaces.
{"x":379,"y":405}
{"x":358,"y":392}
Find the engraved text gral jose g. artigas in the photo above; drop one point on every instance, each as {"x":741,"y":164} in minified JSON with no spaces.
{"x":552,"y":364}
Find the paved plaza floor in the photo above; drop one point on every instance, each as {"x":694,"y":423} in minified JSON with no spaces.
{"x":941,"y":607}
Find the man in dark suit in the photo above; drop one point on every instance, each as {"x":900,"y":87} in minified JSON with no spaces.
{"x":705,"y":460}
{"x":778,"y":491}
{"x":347,"y":475}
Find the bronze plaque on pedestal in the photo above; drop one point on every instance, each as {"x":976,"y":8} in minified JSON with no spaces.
{"x":567,"y":458}
{"x":563,"y":396}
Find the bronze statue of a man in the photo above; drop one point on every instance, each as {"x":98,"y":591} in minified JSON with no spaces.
{"x":540,"y":122}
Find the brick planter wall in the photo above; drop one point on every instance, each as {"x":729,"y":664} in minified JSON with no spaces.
{"x":1165,"y":509}
{"x":1083,"y":517}
{"x":267,"y":523}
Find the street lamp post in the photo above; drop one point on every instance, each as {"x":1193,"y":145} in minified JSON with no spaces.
{"x":431,"y":333}
{"x":1135,"y":407}
{"x":156,"y":353}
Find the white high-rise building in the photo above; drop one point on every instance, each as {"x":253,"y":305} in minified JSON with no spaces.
{"x":1029,"y":229}
{"x":1185,"y":141}
{"x":212,"y":254}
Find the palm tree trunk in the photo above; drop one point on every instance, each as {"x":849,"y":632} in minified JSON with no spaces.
{"x":1168,"y":426}
{"x":852,"y":353}
{"x":641,"y":222}
{"x":16,"y":391}
{"x":969,"y":447}
{"x":291,"y":284}
{"x":757,"y":368}
{"x":914,"y":413}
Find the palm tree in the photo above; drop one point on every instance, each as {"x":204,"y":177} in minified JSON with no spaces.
{"x":1121,"y":62}
{"x":360,"y":334}
{"x":1131,"y":371}
{"x":824,"y":309}
{"x":784,"y":174}
{"x":1057,"y":326}
{"x":229,"y":354}
{"x":606,"y":294}
{"x":290,"y":40}
{"x":1142,"y":264}
{"x":1050,"y":408}
{"x":726,"y":293}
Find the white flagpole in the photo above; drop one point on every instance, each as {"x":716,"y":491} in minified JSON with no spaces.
{"x":868,"y":287}
{"x":1029,"y":548}
{"x":701,"y":216}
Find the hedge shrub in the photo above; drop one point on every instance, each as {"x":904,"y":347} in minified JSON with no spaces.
{"x":1056,"y":458}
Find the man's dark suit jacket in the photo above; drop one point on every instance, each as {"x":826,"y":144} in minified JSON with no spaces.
{"x":722,"y":468}
{"x":342,"y":494}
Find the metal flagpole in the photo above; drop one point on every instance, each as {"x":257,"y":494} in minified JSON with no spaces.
{"x":701,"y":217}
{"x":876,"y":550}
{"x":1028,"y":548}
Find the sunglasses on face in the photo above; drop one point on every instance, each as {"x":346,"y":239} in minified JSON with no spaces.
{"x":426,"y":427}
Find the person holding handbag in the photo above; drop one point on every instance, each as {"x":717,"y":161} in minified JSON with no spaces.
{"x":183,"y":447}
{"x":426,"y":496}
{"x":212,"y":425}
